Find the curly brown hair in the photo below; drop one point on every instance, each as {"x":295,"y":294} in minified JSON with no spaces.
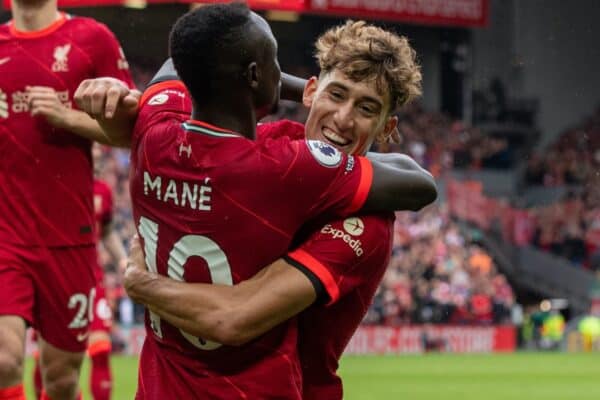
{"x":364,"y":52}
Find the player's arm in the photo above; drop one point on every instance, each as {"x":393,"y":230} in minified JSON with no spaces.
{"x":292,"y":87}
{"x":398,"y":183}
{"x":112,"y":105}
{"x":113,"y":244}
{"x":44,"y":102}
{"x":231,"y":315}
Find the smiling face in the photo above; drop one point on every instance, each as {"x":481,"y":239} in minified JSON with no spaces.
{"x":348,"y":115}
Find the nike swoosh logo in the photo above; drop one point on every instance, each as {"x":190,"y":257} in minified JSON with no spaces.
{"x":82,"y":336}
{"x":4,"y":60}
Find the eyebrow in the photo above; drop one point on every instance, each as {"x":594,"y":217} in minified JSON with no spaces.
{"x":345,"y":88}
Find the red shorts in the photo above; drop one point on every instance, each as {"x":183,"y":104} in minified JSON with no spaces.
{"x":102,"y":319}
{"x":50,"y":288}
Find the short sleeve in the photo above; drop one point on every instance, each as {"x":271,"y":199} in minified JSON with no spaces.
{"x":164,"y":100}
{"x":108,"y":56}
{"x":345,"y":254}
{"x":314,"y":178}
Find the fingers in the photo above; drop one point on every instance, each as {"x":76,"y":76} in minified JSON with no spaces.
{"x":40,"y":93}
{"x":136,"y":255}
{"x":80,"y":97}
{"x":46,"y":105}
{"x":113,"y":96}
{"x":98,"y":101}
{"x":132,"y":100}
{"x":100,"y":97}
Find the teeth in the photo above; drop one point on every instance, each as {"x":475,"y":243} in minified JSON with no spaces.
{"x":335,"y":138}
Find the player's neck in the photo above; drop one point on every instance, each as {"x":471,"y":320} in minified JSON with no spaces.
{"x":34,"y":17}
{"x":243,"y":123}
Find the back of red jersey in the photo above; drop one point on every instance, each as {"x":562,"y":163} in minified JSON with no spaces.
{"x":45,"y":173}
{"x":213,"y":206}
{"x":350,"y":257}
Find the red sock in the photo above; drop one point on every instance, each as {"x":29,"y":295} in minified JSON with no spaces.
{"x":37,"y":376}
{"x":100,"y":376}
{"x":13,"y":393}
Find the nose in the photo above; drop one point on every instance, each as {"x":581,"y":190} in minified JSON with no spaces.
{"x":343,"y":117}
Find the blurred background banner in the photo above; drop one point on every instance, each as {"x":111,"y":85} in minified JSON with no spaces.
{"x":467,"y":13}
{"x":436,"y":12}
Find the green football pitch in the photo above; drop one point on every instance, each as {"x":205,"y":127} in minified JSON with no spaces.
{"x":527,"y":376}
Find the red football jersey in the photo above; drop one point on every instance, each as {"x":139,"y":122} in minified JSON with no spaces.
{"x":46,"y":173}
{"x":350,"y":257}
{"x":213,"y":206}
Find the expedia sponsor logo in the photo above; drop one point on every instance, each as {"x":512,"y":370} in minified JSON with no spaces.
{"x":353,"y":227}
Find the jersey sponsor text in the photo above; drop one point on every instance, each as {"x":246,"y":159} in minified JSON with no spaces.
{"x":355,"y":244}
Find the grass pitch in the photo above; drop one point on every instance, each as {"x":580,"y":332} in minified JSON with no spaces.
{"x":527,"y":376}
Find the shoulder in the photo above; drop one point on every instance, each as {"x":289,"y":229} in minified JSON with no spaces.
{"x":272,"y":130}
{"x":5,"y":32}
{"x":84,"y":29}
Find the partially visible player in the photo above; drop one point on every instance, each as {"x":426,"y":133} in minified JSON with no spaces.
{"x":47,"y":235}
{"x":202,"y":193}
{"x":367,"y":73}
{"x":99,"y":344}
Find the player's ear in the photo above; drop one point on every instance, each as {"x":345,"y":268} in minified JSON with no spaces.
{"x":252,"y":75}
{"x":310,"y":89}
{"x":389,"y":130}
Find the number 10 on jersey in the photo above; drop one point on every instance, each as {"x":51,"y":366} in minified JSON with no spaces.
{"x":187,"y":246}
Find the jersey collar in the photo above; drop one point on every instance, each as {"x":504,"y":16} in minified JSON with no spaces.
{"x":62,"y":18}
{"x":196,"y":126}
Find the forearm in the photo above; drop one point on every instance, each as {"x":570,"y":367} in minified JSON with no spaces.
{"x":118,"y":129}
{"x":114,"y":246}
{"x":196,"y":308}
{"x":292,"y":87}
{"x":83,"y":125}
{"x":226,"y":314}
{"x":397,"y":160}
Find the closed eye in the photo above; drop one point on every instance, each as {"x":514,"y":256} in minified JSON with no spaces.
{"x":336,"y":95}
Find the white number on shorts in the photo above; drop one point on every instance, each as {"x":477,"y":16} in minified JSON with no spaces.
{"x":186,"y":247}
{"x":85,"y":304}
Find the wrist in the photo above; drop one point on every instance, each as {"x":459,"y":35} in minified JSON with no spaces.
{"x":135,"y":280}
{"x":66,"y":121}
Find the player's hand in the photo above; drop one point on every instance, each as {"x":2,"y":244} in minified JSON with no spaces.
{"x":136,"y":267}
{"x":104,"y":97}
{"x":44,"y":102}
{"x":136,"y":255}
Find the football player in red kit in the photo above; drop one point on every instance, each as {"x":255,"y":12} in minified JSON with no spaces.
{"x":47,"y":235}
{"x":351,"y":105}
{"x":202,"y":193}
{"x":99,"y":344}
